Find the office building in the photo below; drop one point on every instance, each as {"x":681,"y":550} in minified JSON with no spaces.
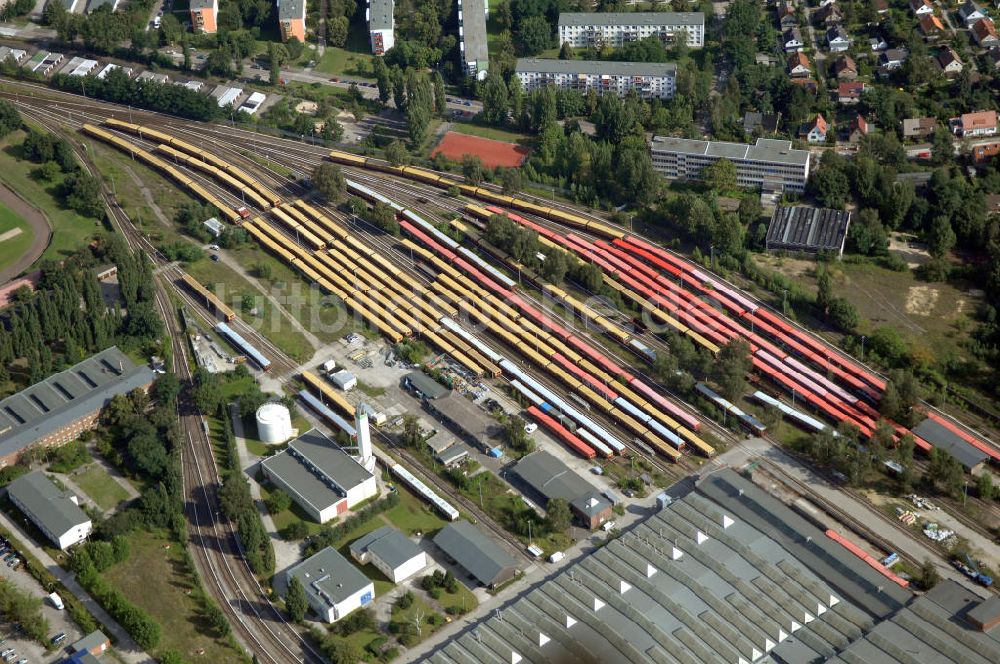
{"x":597,"y":29}
{"x":205,"y":16}
{"x":334,"y":587}
{"x":769,"y":161}
{"x":324,"y":480}
{"x":58,"y":409}
{"x":648,"y":79}
{"x":380,"y":25}
{"x":55,"y":512}
{"x":292,"y":19}
{"x":472,"y":37}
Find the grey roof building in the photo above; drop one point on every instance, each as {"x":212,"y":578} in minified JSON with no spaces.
{"x":53,"y":510}
{"x":769,"y":161}
{"x":321,"y":477}
{"x":425,"y":385}
{"x":480,"y":556}
{"x":472,"y":37}
{"x":803,"y":228}
{"x":334,"y":586}
{"x":548,"y":477}
{"x":580,"y":29}
{"x":724,"y":573}
{"x":595,"y":67}
{"x":59,"y":408}
{"x":939,"y":436}
{"x":465,"y":417}
{"x":394,"y":554}
{"x":647,"y":79}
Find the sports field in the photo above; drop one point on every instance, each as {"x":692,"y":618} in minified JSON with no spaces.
{"x":492,"y":153}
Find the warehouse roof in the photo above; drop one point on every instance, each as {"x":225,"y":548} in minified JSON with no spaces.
{"x":475,"y":552}
{"x":328,"y":577}
{"x":707,"y":579}
{"x":552,"y":478}
{"x":380,"y":14}
{"x":770,"y":150}
{"x":464,"y":414}
{"x":319,"y":471}
{"x":631,"y":18}
{"x":388,"y":545}
{"x":803,"y":228}
{"x":473,"y":31}
{"x":594,"y":67}
{"x":933,"y":629}
{"x":46,"y":503}
{"x":427,"y":386}
{"x":940,"y":436}
{"x":56,"y":402}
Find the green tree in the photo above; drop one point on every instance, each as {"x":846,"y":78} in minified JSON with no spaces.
{"x":10,"y":117}
{"x":278,"y":501}
{"x":731,"y":367}
{"x":941,"y":237}
{"x":555,"y":267}
{"x":721,"y":176}
{"x":329,"y":180}
{"x":411,"y":431}
{"x":510,"y":181}
{"x":565,"y":51}
{"x":496,"y":99}
{"x":534,"y":35}
{"x":396,"y":153}
{"x":559,"y":516}
{"x":296,"y":603}
{"x":843,"y":315}
{"x":928,"y":576}
{"x":946,"y":472}
{"x":275,"y":62}
{"x":472,"y":169}
{"x":984,"y":486}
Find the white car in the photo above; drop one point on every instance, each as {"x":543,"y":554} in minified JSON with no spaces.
{"x":530,"y":427}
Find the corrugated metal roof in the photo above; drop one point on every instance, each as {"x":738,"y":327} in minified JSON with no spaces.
{"x":802,"y":228}
{"x":944,"y":438}
{"x":475,"y":552}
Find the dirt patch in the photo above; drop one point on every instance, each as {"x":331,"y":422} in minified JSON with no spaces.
{"x":12,"y":233}
{"x":493,"y":153}
{"x":906,"y":247}
{"x":791,"y":267}
{"x":920,"y":300}
{"x":39,"y":226}
{"x":307,"y":107}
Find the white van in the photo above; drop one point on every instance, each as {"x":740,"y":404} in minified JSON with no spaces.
{"x":57,"y":601}
{"x":556,"y":557}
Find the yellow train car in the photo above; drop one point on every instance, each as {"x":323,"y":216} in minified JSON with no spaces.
{"x":347,"y":158}
{"x":322,"y":388}
{"x":567,"y":218}
{"x":211,"y":301}
{"x":477,"y":212}
{"x":323,"y":220}
{"x":567,"y":379}
{"x":596,"y":399}
{"x":696,"y":441}
{"x":599,"y":228}
{"x":422,"y":175}
{"x":301,"y":233}
{"x":374,"y":321}
{"x":272,"y":246}
{"x":663,"y":448}
{"x":121,"y":125}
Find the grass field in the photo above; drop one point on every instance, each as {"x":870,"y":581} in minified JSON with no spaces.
{"x":354,"y":60}
{"x":99,"y":485}
{"x":154,"y":577}
{"x":70,"y":230}
{"x":14,"y":247}
{"x":475,"y":129}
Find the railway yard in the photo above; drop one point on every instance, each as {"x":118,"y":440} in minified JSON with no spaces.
{"x":582,"y":373}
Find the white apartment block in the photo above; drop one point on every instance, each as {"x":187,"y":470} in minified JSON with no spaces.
{"x":649,"y":79}
{"x":472,"y":16}
{"x":380,"y":25}
{"x":583,"y":29}
{"x":770,"y":163}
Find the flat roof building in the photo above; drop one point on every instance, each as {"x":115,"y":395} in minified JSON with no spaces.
{"x":391,"y":552}
{"x":292,"y":19}
{"x":226,"y":96}
{"x":547,"y":477}
{"x":472,"y":37}
{"x":940,"y":436}
{"x":95,"y":643}
{"x":648,"y":79}
{"x":153,"y":77}
{"x":381,"y":26}
{"x":465,"y":418}
{"x":54,"y":511}
{"x":321,"y":478}
{"x":204,"y":16}
{"x":61,"y":407}
{"x":597,"y":29}
{"x":485,"y":560}
{"x":769,"y":161}
{"x":78,"y":66}
{"x":724,"y":573}
{"x":334,"y":587}
{"x":803,"y":228}
{"x":424,"y":386}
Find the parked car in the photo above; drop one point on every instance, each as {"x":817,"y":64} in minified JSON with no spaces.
{"x":530,"y":427}
{"x":59,"y":638}
{"x":215,"y":257}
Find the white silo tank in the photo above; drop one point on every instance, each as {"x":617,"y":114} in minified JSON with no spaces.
{"x":274,"y":423}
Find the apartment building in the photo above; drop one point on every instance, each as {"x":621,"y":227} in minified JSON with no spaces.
{"x":583,"y":29}
{"x":380,"y":25}
{"x":472,"y":37}
{"x":648,"y":79}
{"x":769,"y":162}
{"x":205,"y":16}
{"x":292,"y":19}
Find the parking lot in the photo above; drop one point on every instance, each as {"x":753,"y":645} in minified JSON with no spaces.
{"x":25,"y":650}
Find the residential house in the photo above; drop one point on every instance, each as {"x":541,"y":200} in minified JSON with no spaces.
{"x":892,"y":59}
{"x":809,"y":84}
{"x":980,"y":123}
{"x":931,"y":26}
{"x":857,"y":130}
{"x":878,"y":43}
{"x":950,"y":63}
{"x":827,"y":16}
{"x":845,"y":68}
{"x":985,"y":152}
{"x":815,"y":131}
{"x":921,"y":7}
{"x":850,"y":92}
{"x":837,"y":39}
{"x":984,"y":31}
{"x":763,"y":123}
{"x":786,"y":16}
{"x":791,"y":40}
{"x":204,"y":15}
{"x":970,"y":12}
{"x":798,"y":65}
{"x":917,"y":128}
